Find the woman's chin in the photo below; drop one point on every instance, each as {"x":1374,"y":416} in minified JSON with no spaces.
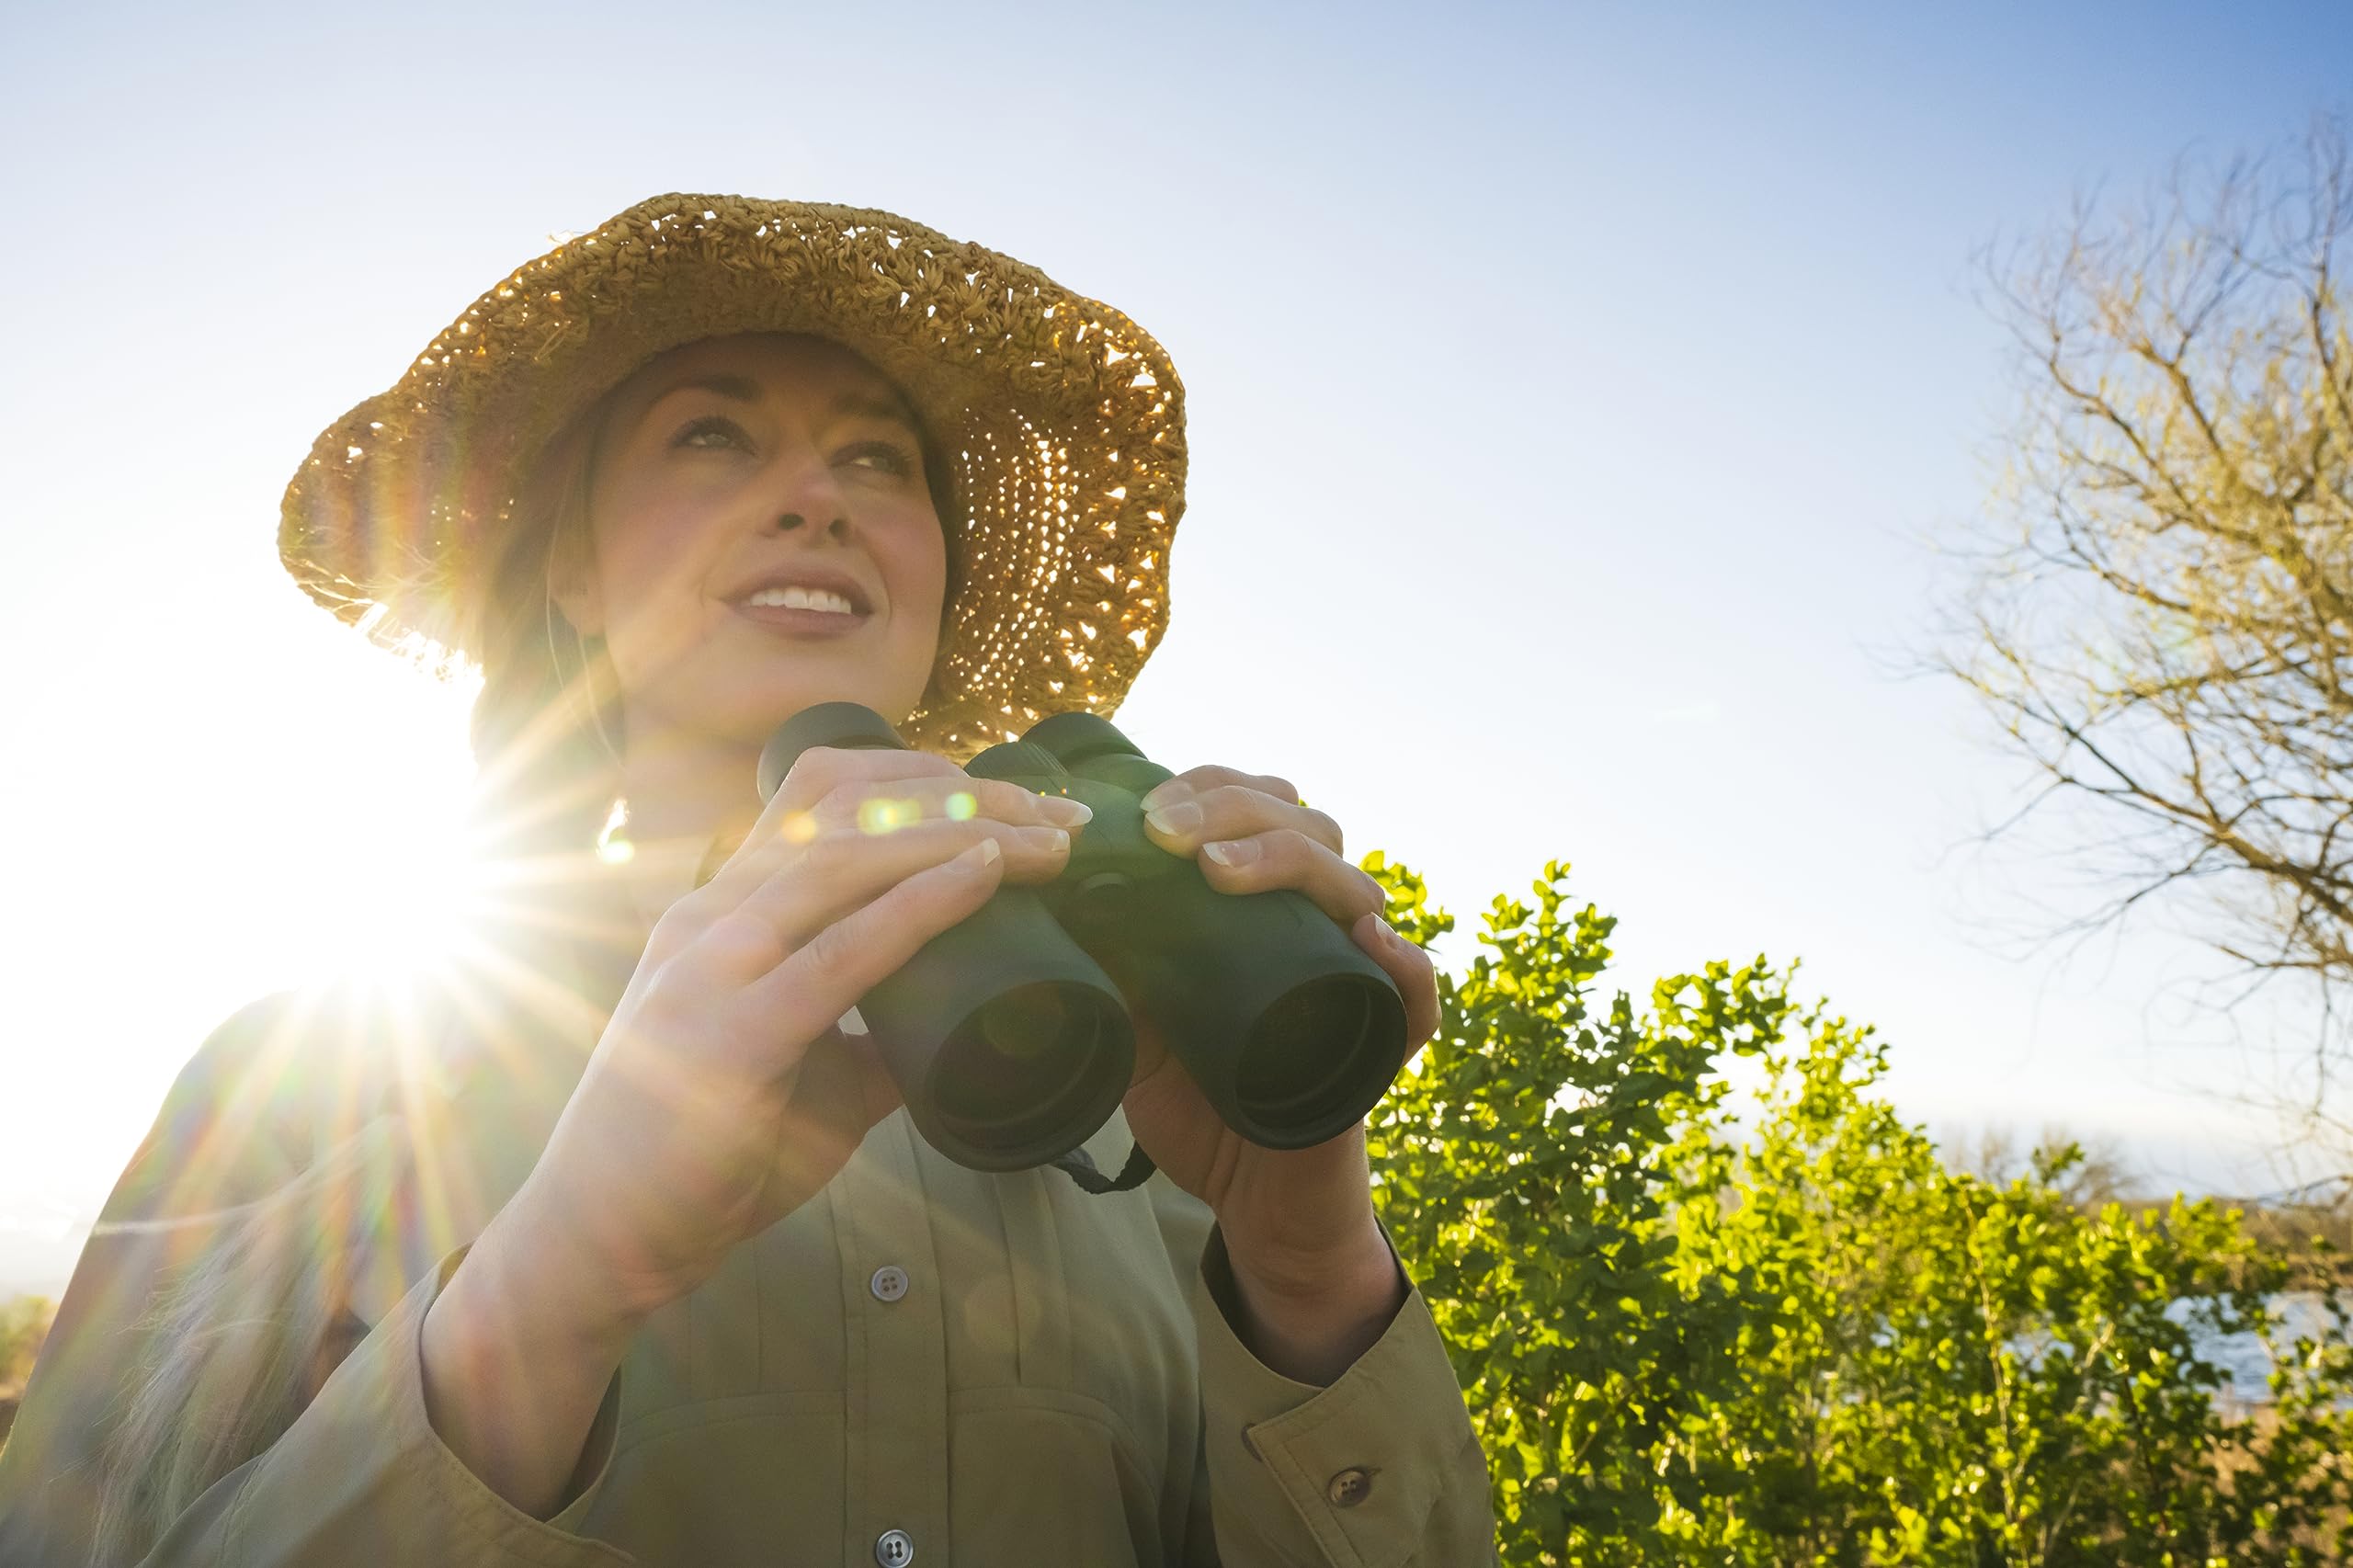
{"x":752,"y":720}
{"x":743,"y":702}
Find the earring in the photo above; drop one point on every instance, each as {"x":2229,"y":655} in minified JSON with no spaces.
{"x":614,"y":846}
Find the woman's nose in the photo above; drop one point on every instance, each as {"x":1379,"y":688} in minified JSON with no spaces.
{"x":836,"y":529}
{"x":808,"y":492}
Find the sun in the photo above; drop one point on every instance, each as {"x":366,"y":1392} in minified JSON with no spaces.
{"x":419,"y":912}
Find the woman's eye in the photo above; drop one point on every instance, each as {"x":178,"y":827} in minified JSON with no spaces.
{"x":883,"y":457}
{"x":712,"y":433}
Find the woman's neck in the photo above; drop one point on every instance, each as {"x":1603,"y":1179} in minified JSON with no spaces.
{"x":684,"y":793}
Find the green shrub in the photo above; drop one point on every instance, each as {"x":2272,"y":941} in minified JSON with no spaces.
{"x":1774,"y":1328}
{"x":24,"y":1323}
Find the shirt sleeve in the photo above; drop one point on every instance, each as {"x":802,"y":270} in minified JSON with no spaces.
{"x":210,"y":1151}
{"x":362,"y":1477}
{"x":1380,"y":1469}
{"x":357,"y":1476}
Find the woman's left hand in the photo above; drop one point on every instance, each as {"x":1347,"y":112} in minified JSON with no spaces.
{"x":1315,"y":1276}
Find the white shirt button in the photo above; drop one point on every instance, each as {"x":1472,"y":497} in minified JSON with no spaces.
{"x":890,"y":1283}
{"x":895,"y":1549}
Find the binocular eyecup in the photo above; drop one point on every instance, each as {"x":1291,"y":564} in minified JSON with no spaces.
{"x":1010,"y":1035}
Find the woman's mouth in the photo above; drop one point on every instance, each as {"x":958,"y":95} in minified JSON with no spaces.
{"x":798,"y":598}
{"x":800,"y":611}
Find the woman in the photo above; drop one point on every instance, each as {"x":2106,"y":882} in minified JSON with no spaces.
{"x":621,"y":1248}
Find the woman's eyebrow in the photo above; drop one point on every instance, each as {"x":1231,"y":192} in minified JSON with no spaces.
{"x":734,"y":388}
{"x":743,"y":389}
{"x":876,"y":405}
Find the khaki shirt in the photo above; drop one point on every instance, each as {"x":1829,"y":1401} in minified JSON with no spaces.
{"x":925,"y":1365}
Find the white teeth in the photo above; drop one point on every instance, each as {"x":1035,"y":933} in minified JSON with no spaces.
{"x":799,"y":598}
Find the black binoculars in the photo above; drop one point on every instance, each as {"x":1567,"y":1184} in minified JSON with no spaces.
{"x":1008,"y":1034}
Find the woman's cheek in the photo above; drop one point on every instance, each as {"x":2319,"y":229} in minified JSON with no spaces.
{"x":917,"y":574}
{"x":655,"y":581}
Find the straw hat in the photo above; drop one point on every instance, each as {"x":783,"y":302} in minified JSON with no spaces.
{"x":1063,"y":423}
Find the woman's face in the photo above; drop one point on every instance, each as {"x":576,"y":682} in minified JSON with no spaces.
{"x":765,"y":539}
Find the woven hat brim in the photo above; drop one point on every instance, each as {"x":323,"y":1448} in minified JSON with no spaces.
{"x":1062,"y":420}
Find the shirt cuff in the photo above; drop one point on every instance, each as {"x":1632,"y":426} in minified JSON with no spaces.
{"x":1359,"y":1466}
{"x":362,"y":1469}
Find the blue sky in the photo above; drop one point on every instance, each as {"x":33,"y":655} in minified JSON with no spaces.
{"x":1575,"y":394}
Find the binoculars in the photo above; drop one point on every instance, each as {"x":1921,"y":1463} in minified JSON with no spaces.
{"x":1008,"y":1034}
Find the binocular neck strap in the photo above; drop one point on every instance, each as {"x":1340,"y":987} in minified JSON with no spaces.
{"x":1080,"y":1166}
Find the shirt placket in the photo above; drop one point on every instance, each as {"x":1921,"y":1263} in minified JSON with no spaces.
{"x":895,"y":1406}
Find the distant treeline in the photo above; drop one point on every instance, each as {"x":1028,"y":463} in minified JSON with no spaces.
{"x":2317,"y":1239}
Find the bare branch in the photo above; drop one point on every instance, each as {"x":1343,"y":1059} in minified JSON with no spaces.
{"x":2167,"y":632}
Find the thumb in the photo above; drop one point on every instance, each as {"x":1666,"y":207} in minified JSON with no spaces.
{"x":839,"y":1091}
{"x":878,"y":1092}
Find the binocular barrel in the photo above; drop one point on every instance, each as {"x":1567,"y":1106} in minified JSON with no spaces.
{"x":1009,"y":1045}
{"x":1291,"y":1030}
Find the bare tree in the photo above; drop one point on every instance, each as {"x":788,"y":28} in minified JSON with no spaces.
{"x":2087,"y":1172}
{"x":2163,"y":625}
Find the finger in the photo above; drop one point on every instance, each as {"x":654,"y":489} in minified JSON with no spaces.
{"x":820,"y":770}
{"x":1233,"y":811}
{"x":824,"y":977}
{"x":1409,"y":967}
{"x":877,"y":1091}
{"x":839,"y":1091}
{"x":1193,"y":780}
{"x":837,"y":874}
{"x":824,"y":1114}
{"x":814,"y":775}
{"x":878,"y":808}
{"x":1289,"y":859}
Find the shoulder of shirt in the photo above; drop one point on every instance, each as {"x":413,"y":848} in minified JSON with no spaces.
{"x":281,"y":1078}
{"x":291,"y":1054}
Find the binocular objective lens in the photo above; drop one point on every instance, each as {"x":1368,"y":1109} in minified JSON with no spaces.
{"x":1024,"y":1063}
{"x":1310,"y":1052}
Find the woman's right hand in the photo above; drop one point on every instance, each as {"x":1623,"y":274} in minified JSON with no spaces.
{"x":721,"y":1095}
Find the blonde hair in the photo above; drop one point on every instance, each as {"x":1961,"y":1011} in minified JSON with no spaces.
{"x":239,"y":1341}
{"x":546,"y":728}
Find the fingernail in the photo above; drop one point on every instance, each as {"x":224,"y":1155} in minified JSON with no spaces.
{"x":1053,"y":840}
{"x":1167,"y":793}
{"x":979,"y":858}
{"x":1232,"y":852}
{"x":1063,"y":809}
{"x":1177,"y":820}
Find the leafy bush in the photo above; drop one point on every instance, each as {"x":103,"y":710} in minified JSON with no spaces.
{"x":24,"y":1323}
{"x":1772,"y":1327}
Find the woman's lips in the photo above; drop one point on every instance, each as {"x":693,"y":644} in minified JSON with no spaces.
{"x":789,"y":621}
